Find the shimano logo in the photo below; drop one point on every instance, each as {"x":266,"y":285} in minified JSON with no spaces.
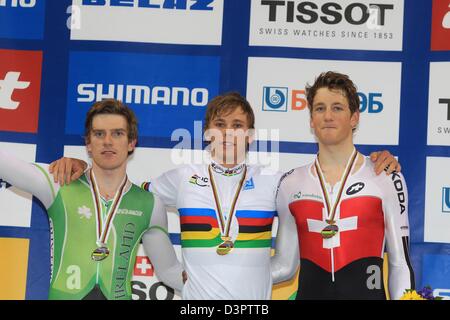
{"x":18,"y":3}
{"x":201,"y":5}
{"x":141,"y":94}
{"x":7,"y":87}
{"x":330,"y":13}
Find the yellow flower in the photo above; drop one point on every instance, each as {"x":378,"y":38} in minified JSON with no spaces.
{"x":411,"y":295}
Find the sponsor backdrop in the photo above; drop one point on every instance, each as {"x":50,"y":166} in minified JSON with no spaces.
{"x":167,"y":58}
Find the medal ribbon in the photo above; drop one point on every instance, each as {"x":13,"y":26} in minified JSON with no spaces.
{"x":104,"y":228}
{"x":225,"y":230}
{"x":331,"y":211}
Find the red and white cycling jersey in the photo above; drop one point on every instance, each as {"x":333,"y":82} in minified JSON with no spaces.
{"x":372,"y":216}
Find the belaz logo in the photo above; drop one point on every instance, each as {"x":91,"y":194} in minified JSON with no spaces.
{"x":355,"y":188}
{"x":203,"y":5}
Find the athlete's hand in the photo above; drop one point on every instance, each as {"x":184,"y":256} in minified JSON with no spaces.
{"x":184,"y":275}
{"x":384,"y":160}
{"x":65,"y":170}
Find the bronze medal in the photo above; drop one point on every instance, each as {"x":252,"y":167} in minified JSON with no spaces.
{"x":100,"y":254}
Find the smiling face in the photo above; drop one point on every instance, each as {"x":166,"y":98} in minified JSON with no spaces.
{"x":108,"y":142}
{"x":331,"y":118}
{"x":229,"y":136}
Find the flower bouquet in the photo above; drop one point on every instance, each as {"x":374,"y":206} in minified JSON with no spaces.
{"x":426,"y":293}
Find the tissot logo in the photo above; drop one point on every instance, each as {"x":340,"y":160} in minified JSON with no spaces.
{"x":329,"y":13}
{"x":355,"y":188}
{"x":344,"y":24}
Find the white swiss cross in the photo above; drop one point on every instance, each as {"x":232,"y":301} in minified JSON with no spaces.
{"x":346,"y":224}
{"x":144,"y":265}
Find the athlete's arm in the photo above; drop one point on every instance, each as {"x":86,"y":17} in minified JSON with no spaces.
{"x":166,"y":186}
{"x":384,"y":160}
{"x":395,"y":207}
{"x":285,"y":262}
{"x":65,"y":170}
{"x":28,"y":177}
{"x":159,"y":248}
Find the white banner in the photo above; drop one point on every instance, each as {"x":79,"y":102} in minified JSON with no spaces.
{"x":344,"y":24}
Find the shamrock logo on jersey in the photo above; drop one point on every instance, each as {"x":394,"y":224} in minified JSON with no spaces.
{"x":85,"y":212}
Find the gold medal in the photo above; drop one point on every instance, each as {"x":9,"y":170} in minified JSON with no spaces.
{"x":100,"y":254}
{"x":225,"y":247}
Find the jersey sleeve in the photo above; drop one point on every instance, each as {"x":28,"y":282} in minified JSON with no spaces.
{"x":395,"y":207}
{"x":29,"y":177}
{"x":159,"y":248}
{"x":166,"y":186}
{"x":285,"y":262}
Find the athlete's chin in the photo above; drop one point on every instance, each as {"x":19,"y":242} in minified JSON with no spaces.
{"x":109,"y":164}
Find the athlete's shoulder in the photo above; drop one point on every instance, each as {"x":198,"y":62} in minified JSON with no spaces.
{"x":292,"y":178}
{"x":296,"y":173}
{"x":265,"y":172}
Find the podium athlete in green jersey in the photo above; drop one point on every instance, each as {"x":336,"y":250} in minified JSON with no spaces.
{"x":96,"y":223}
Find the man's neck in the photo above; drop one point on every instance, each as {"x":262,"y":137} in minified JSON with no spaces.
{"x":335,"y":156}
{"x":108,"y":181}
{"x":333,"y":161}
{"x":228,"y":163}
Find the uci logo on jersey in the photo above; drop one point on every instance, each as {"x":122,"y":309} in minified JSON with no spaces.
{"x":198,"y":5}
{"x":199,"y":181}
{"x":355,"y":188}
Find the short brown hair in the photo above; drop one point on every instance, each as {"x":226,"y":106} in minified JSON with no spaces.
{"x":111,"y":106}
{"x":334,"y":81}
{"x":227,"y":103}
